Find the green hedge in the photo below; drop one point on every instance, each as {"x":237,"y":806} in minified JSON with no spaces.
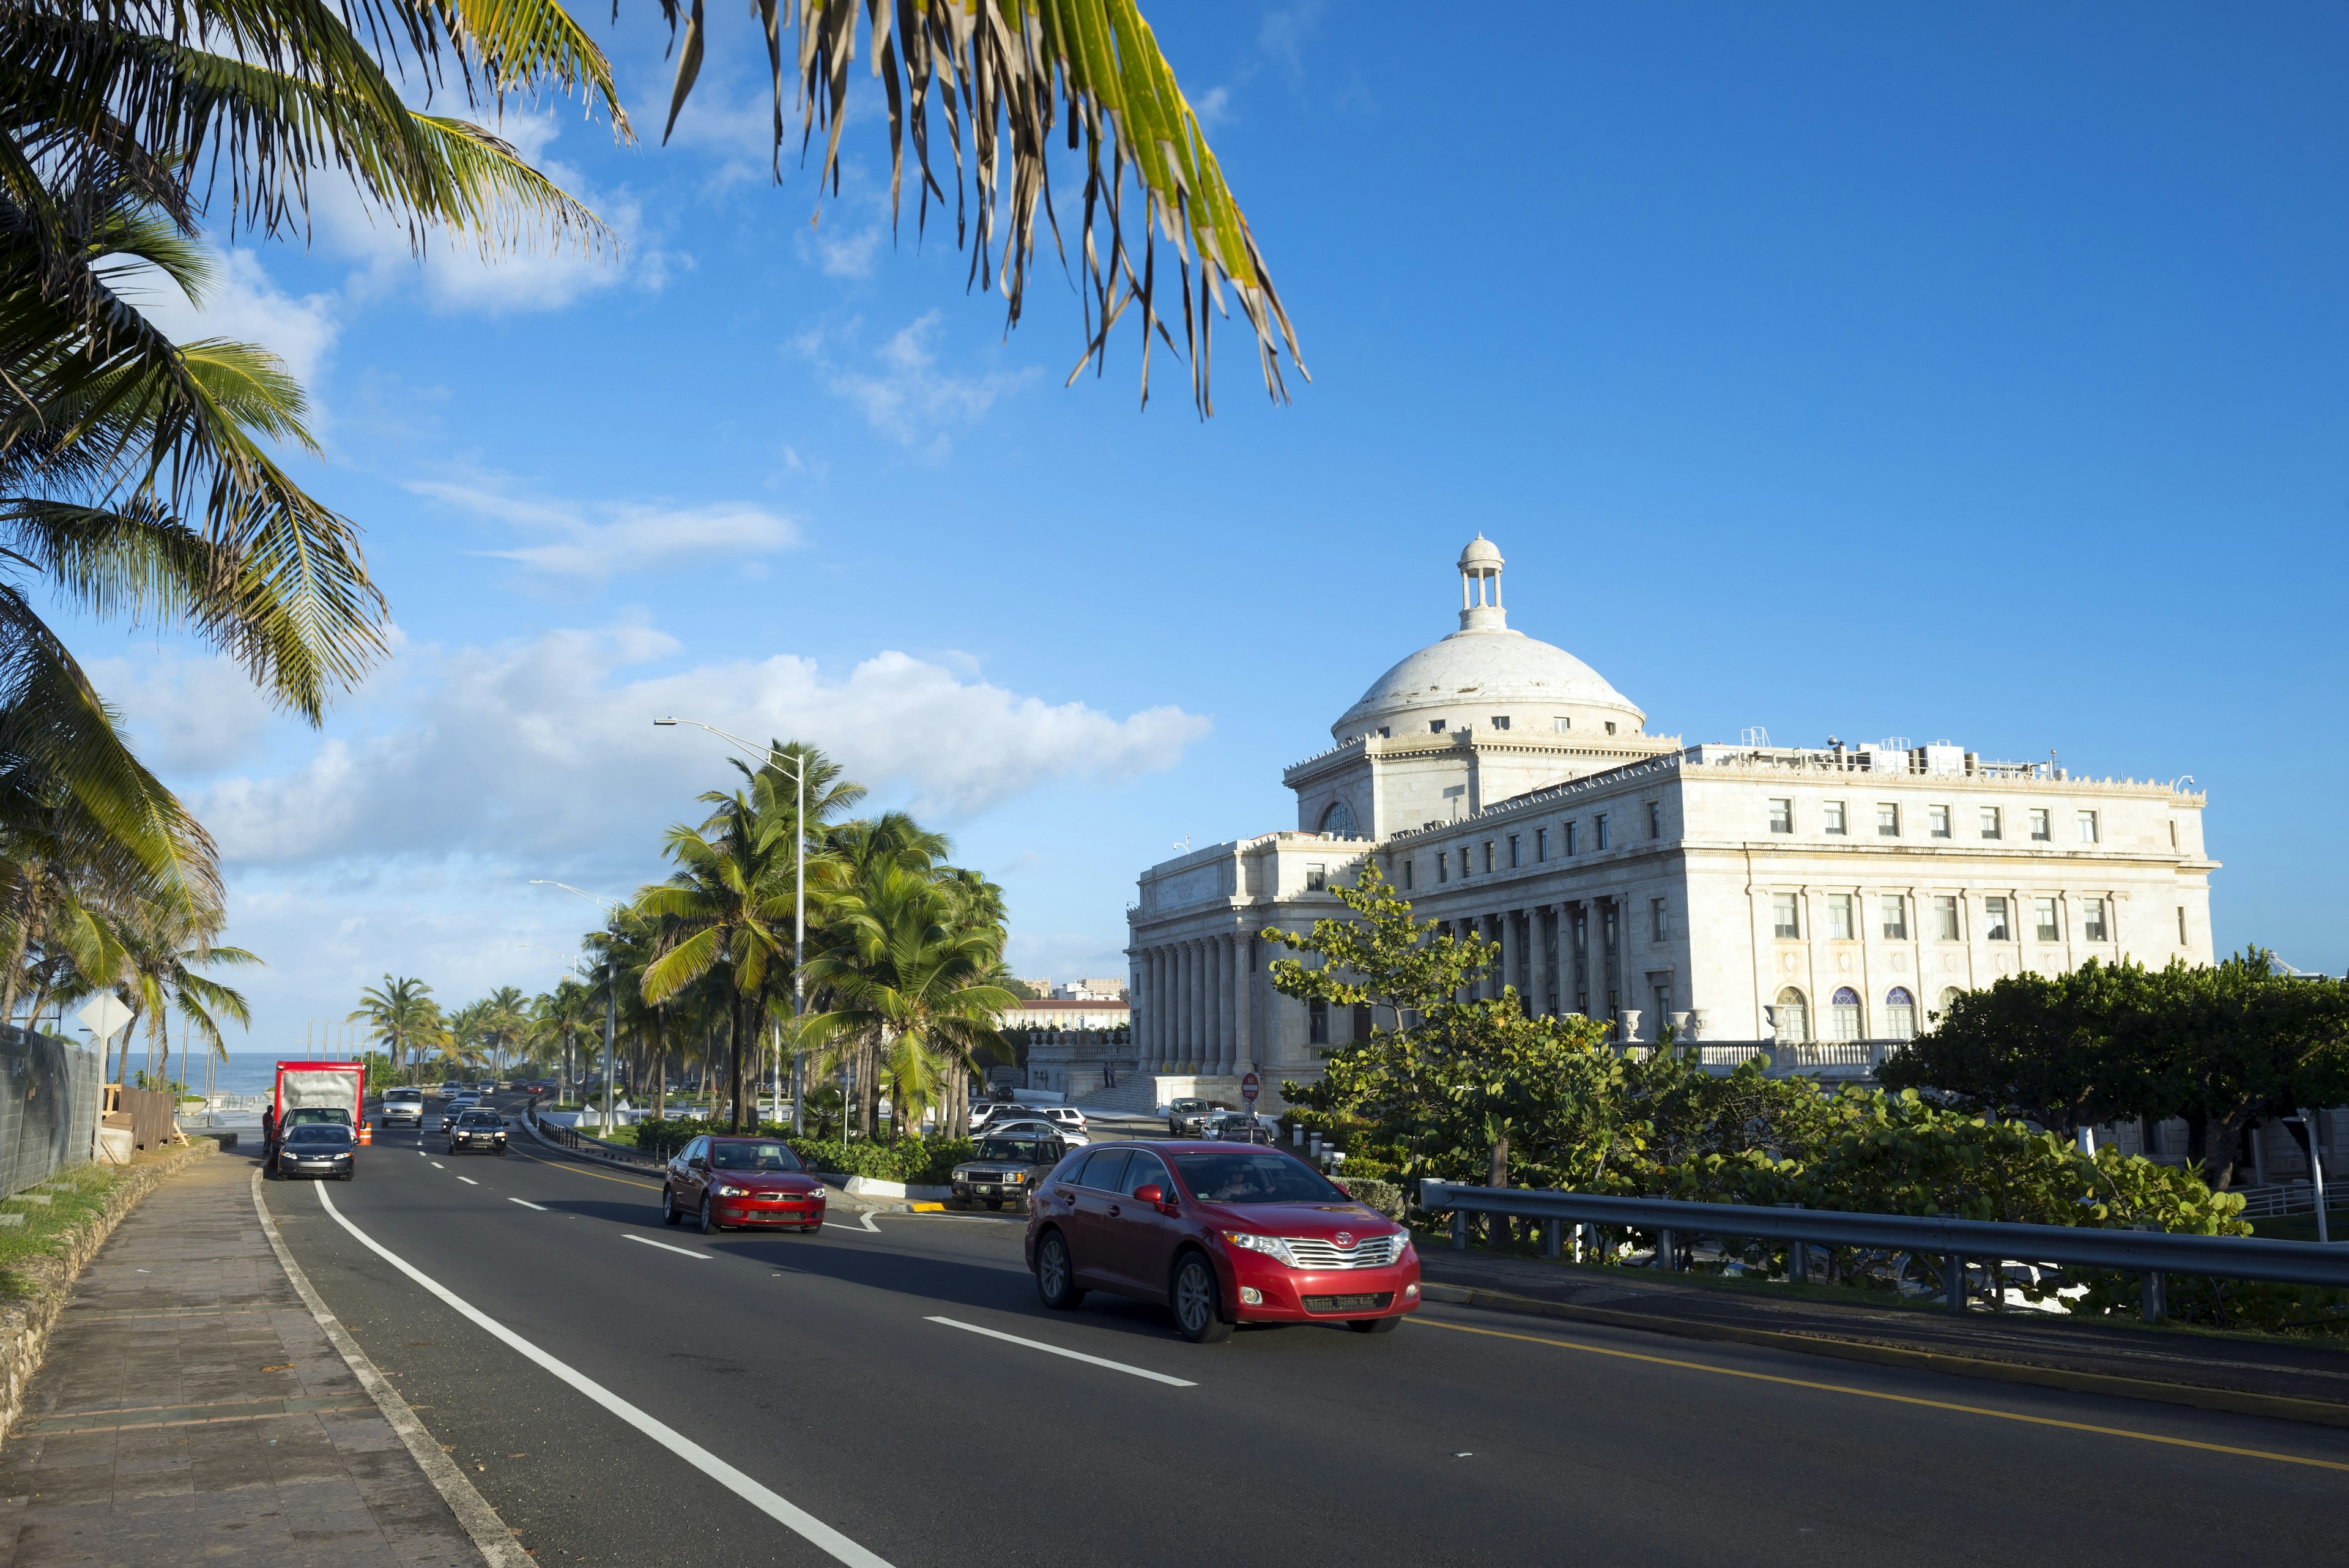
{"x":917,"y":1162}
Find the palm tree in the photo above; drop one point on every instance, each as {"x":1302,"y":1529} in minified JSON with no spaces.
{"x":402,"y":1014}
{"x":504,"y":1020}
{"x":163,"y":949}
{"x":910,"y":976}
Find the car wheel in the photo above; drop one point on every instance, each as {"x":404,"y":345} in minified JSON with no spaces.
{"x":1056,"y":1277}
{"x":1197,"y":1311}
{"x":709,"y":1217}
{"x":1374,"y":1324}
{"x":669,"y":1215}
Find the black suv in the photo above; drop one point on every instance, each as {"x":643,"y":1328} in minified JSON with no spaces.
{"x":1185,"y":1118}
{"x":1005,"y":1170}
{"x":476,"y":1130}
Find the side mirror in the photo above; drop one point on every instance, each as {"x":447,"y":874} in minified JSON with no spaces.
{"x":1150,"y":1193}
{"x":697,"y":1163}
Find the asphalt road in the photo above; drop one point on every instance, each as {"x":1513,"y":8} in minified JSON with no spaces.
{"x":810,"y":1365}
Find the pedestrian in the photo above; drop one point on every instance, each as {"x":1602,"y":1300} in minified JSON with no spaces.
{"x":269,"y":1138}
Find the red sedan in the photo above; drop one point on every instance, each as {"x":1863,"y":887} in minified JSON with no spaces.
{"x":1222,"y":1234}
{"x":714,"y":1182}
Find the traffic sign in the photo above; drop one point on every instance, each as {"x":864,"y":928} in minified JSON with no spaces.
{"x":1248,"y":1089}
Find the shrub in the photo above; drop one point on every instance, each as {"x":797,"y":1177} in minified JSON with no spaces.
{"x":1383,"y":1196}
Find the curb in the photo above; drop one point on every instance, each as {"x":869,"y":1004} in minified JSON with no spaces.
{"x":25,"y":1325}
{"x":2321,"y":1412}
{"x":489,"y":1532}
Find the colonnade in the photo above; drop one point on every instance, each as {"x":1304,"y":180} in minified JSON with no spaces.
{"x":1564,"y":957}
{"x":1192,"y":1012}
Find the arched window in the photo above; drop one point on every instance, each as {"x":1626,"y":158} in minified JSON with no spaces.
{"x":1949,"y":1000}
{"x":1794,"y":1017}
{"x":1338,"y":820}
{"x":1843,"y":1014}
{"x":1899,"y":1014}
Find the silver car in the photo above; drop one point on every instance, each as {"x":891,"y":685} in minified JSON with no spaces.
{"x":403,"y":1108}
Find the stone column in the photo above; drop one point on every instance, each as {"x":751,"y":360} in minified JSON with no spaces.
{"x":1194,"y":1003}
{"x":1212,"y":1057}
{"x":1227,"y":1011}
{"x":1161,"y":995}
{"x":1243,"y":998}
{"x":1505,"y":975}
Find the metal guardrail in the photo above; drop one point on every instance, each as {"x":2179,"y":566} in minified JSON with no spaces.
{"x":2154,"y":1254}
{"x":573,"y":1138}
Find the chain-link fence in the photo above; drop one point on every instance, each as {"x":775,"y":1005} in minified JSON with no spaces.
{"x":48,"y":1107}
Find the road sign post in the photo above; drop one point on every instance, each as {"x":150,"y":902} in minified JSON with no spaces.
{"x":1248,"y":1088}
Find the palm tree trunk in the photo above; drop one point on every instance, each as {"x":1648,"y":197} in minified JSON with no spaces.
{"x":28,"y":930}
{"x":734,"y":1062}
{"x":122,"y":1068}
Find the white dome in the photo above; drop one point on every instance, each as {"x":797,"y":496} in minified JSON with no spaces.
{"x":1484,"y":672}
{"x":1471,"y":677}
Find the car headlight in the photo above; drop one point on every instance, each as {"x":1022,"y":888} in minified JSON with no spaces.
{"x":962,"y":1175}
{"x":733,"y":1192}
{"x":1015,"y":1175}
{"x":1270,"y":1246}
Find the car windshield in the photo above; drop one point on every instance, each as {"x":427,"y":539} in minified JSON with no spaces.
{"x":320,"y":1132}
{"x":752,"y":1156}
{"x":481,"y":1119}
{"x":1266,"y":1178}
{"x":302,"y":1115}
{"x":1028,"y":1151}
{"x":1190,"y":1104}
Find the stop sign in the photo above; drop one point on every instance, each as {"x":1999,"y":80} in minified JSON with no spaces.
{"x":1248,"y":1089}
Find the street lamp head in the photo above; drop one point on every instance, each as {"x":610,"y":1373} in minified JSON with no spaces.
{"x":663,"y":723}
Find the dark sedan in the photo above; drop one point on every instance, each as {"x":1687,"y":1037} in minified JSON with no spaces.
{"x":479,"y":1130}
{"x":1005,"y":1170}
{"x":318,"y":1148}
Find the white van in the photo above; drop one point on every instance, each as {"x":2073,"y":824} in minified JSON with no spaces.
{"x":403,"y":1108}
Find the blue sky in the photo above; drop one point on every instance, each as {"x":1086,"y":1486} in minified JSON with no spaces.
{"x":1835,"y":369}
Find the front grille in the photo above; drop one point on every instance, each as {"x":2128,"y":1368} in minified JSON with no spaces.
{"x":1379,"y":1302}
{"x":1370,"y":1252}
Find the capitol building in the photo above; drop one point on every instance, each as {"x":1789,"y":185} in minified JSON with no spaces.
{"x":1736,"y":892}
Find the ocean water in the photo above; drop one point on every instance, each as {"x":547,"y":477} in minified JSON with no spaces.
{"x":244,"y":1072}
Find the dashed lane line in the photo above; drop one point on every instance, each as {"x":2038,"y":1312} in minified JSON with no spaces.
{"x":526,"y":1203}
{"x":807,"y":1526}
{"x":468,"y":1181}
{"x":1072,"y":1355}
{"x":665,"y":1247}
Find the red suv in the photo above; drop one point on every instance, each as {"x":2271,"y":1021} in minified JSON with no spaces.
{"x":1222,"y":1234}
{"x":720,"y":1181}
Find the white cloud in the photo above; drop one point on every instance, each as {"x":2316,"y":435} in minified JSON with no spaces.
{"x":245,"y":305}
{"x":543,"y":751}
{"x":1211,"y":106}
{"x":849,"y":255}
{"x":188,"y":713}
{"x":904,"y":394}
{"x":632,"y":536}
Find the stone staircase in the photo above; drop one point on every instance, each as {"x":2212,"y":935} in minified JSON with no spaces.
{"x":1136,"y":1093}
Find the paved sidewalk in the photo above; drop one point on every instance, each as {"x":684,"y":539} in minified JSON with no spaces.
{"x":191,"y":1410}
{"x":2307,"y":1380}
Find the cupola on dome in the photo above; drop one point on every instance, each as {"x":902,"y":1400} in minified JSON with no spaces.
{"x":1486,"y":677}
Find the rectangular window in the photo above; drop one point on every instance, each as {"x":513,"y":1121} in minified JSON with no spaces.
{"x":1782,"y":816}
{"x":2041,"y":830}
{"x":1611,"y":730}
{"x":1573,"y":839}
{"x":1937,"y":821}
{"x":1839,"y":917}
{"x":2181,"y":925}
{"x":1316,"y":878}
{"x":2087,"y":827}
{"x":1406,"y":875}
{"x":1435,"y":726}
{"x":1607,"y":928}
{"x":1500,"y":721}
{"x":1541,"y":845}
{"x":1888,"y":819}
{"x":1945,"y":919}
{"x":1488,"y":858}
{"x":2092,"y":920}
{"x":1785,"y":921}
{"x":1833,"y":815}
{"x":1994,"y":920}
{"x":1317,"y":1023}
{"x":1896,"y":917}
{"x":2050,"y":930}
{"x":1560,"y":724}
{"x":1599,"y":830}
{"x":1655,"y":819}
{"x":1990,"y":822}
{"x":1463,"y":860}
{"x":1442,"y":867}
{"x":1513,"y":852}
{"x":1660,"y":928}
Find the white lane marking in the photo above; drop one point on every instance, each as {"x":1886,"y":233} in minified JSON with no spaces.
{"x":1072,"y":1355}
{"x":468,"y":1181}
{"x":437,"y":1166}
{"x":774,"y":1505}
{"x":867,"y":1216}
{"x":664,"y":1246}
{"x":526,"y":1203}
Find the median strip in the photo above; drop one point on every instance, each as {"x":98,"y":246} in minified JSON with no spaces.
{"x":1072,"y":1355}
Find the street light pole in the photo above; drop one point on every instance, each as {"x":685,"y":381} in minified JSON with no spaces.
{"x":798,"y":766}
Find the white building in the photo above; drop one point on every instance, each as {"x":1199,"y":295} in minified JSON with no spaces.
{"x":1742,"y":892}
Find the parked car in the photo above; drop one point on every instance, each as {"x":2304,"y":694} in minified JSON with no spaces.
{"x":476,"y":1130}
{"x":1067,"y":1117}
{"x":451,"y":1088}
{"x":1221,"y":1235}
{"x":403,"y":1108}
{"x":716,"y":1182}
{"x":1241,"y":1127}
{"x":994,"y":1111}
{"x":318,"y":1148}
{"x":1006,"y":1168}
{"x":1036,"y":1126}
{"x":1185,"y":1117}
